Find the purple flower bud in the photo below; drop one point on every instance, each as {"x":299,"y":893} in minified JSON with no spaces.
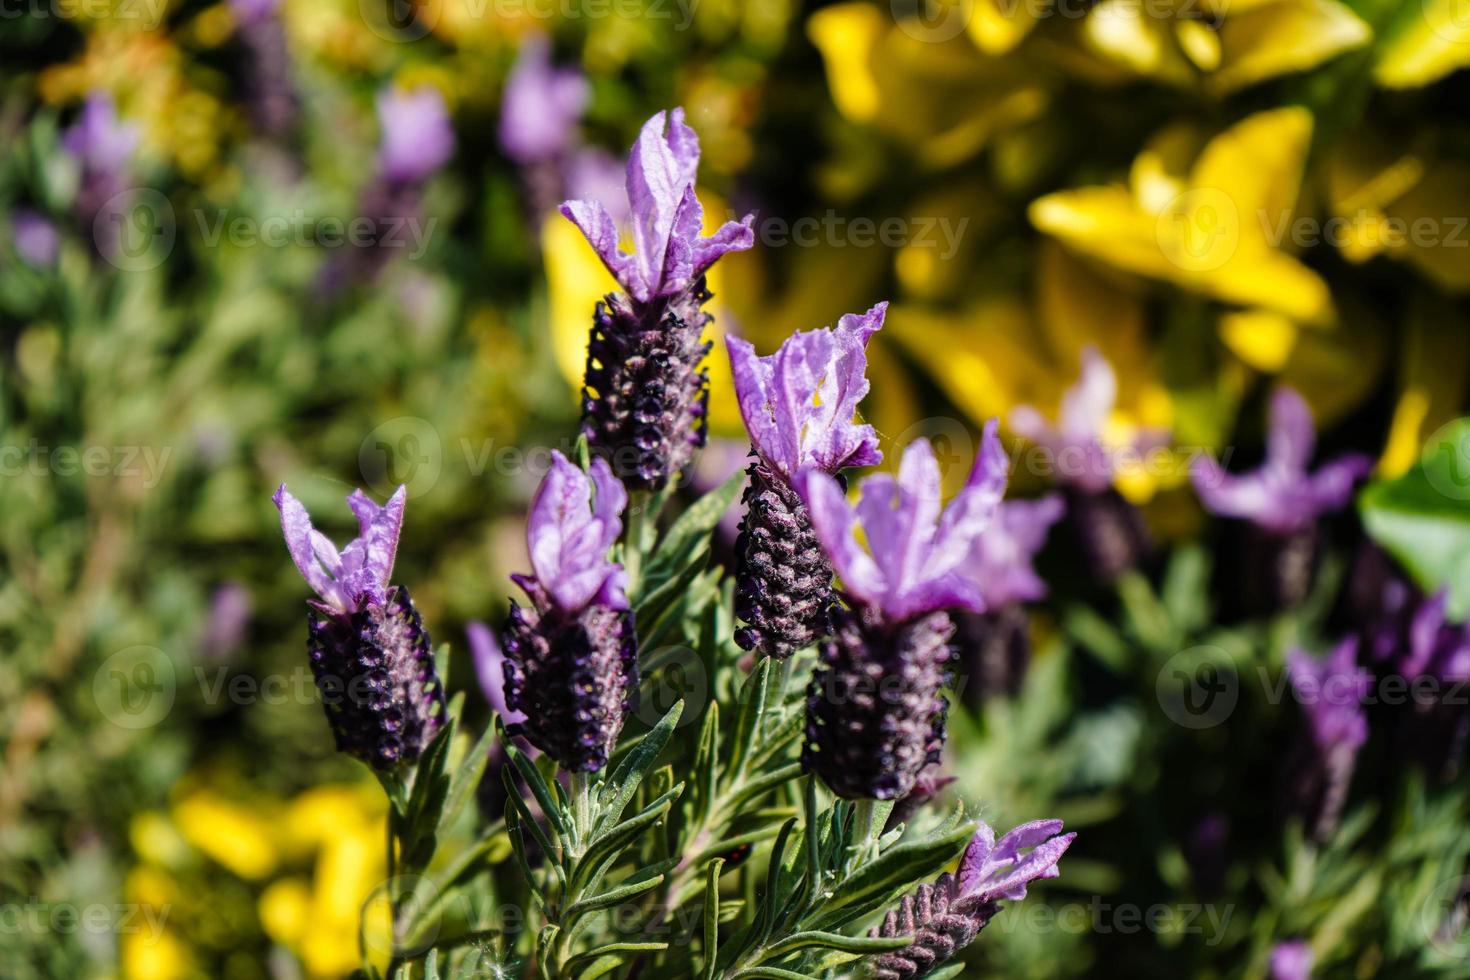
{"x":1281,"y":496}
{"x":540,"y":106}
{"x":1292,"y":961}
{"x":103,"y":147}
{"x":920,"y":557}
{"x":644,"y":402}
{"x":369,"y":651}
{"x":944,"y":917}
{"x":417,"y":138}
{"x":571,"y":666}
{"x":799,"y":405}
{"x":36,"y":240}
{"x":1330,"y":691}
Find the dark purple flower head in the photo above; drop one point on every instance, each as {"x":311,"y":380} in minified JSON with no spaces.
{"x":574,"y":520}
{"x":36,"y":240}
{"x":540,"y":106}
{"x":1292,"y":961}
{"x":1330,"y":690}
{"x":370,"y":653}
{"x":1001,"y":561}
{"x":1438,"y":648}
{"x":1074,"y":441}
{"x":1282,"y":496}
{"x":944,"y":917}
{"x":571,"y":657}
{"x":417,"y":138}
{"x":358,"y":575}
{"x":669,"y":255}
{"x":919,"y":552}
{"x":799,"y":403}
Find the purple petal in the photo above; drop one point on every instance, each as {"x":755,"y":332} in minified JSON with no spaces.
{"x":1331,"y":487}
{"x":1292,"y":961}
{"x":678,"y":267}
{"x":973,"y":508}
{"x":977,"y":854}
{"x":1247,"y":496}
{"x":417,"y":137}
{"x":732,"y":236}
{"x":305,"y":545}
{"x":657,"y":179}
{"x":377,"y":545}
{"x":592,"y":219}
{"x":540,"y":105}
{"x":1087,"y":404}
{"x":834,"y":521}
{"x":837,"y":441}
{"x":1293,"y":436}
{"x":753,"y":386}
{"x":998,"y":871}
{"x":568,"y":534}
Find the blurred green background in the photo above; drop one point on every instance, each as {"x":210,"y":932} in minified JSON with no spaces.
{"x":1218,"y":194}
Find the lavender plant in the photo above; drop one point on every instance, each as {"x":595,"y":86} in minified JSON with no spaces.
{"x":727,"y":859}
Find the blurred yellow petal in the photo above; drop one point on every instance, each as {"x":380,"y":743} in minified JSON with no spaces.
{"x":1284,"y":37}
{"x":1261,"y":338}
{"x":319,"y":814}
{"x":154,"y":955}
{"x":1434,"y":376}
{"x":1126,"y":32}
{"x":1432,"y":227}
{"x":1104,"y":222}
{"x":1258,"y":163}
{"x":1428,"y":46}
{"x":1200,"y":43}
{"x":997,"y":26}
{"x":157,"y":841}
{"x":285,"y":911}
{"x":1405,"y":434}
{"x":1160,"y":172}
{"x":575,"y":280}
{"x":846,"y":34}
{"x":239,"y":838}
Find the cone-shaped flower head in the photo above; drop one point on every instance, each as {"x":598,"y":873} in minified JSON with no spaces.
{"x":369,"y":650}
{"x":944,"y":917}
{"x":571,"y":664}
{"x":1292,"y":961}
{"x":540,"y":106}
{"x":645,"y":396}
{"x":875,"y":715}
{"x":918,"y":557}
{"x":799,"y":406}
{"x":1330,"y":691}
{"x":417,"y":138}
{"x":669,"y":253}
{"x":1002,"y":559}
{"x":799,"y":403}
{"x":1282,"y":496}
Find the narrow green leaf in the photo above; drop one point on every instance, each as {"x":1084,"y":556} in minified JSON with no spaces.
{"x":711,"y":917}
{"x":752,"y":711}
{"x":602,"y":960}
{"x":835,"y":940}
{"x":899,"y":868}
{"x":467,"y":777}
{"x":623,"y":783}
{"x":772,"y":899}
{"x":607,"y":846}
{"x":611,"y":897}
{"x":693,"y":528}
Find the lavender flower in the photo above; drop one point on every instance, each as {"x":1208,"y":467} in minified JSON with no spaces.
{"x":1439,"y":651}
{"x":1380,"y":602}
{"x":798,"y":405}
{"x":875,"y":717}
{"x":36,"y":240}
{"x":571,"y":657}
{"x":103,"y":147}
{"x":417,"y":138}
{"x":1292,"y":961}
{"x":229,"y":618}
{"x":1331,"y":691}
{"x":944,"y":917}
{"x":369,"y":650}
{"x":1280,"y":502}
{"x":1108,"y":529}
{"x":270,"y":98}
{"x":645,"y":396}
{"x":489,"y":661}
{"x":540,"y":106}
{"x":996,"y":644}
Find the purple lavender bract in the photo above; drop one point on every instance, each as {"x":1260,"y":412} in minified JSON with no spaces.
{"x":798,"y":406}
{"x":645,"y":397}
{"x":944,"y":917}
{"x":1292,"y":961}
{"x":875,"y":715}
{"x":540,"y":106}
{"x":571,"y":663}
{"x":370,"y":653}
{"x":1330,"y":691}
{"x":103,"y":146}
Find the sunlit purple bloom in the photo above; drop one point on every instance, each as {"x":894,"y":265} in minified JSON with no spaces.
{"x":417,"y":138}
{"x":1282,"y":495}
{"x":1002,"y":558}
{"x":799,"y":403}
{"x":1292,"y":961}
{"x":571,"y":659}
{"x":103,"y":147}
{"x":370,"y":653}
{"x":918,"y":552}
{"x":669,"y":253}
{"x":36,"y":239}
{"x":1330,"y":691}
{"x":946,"y":916}
{"x":540,"y":106}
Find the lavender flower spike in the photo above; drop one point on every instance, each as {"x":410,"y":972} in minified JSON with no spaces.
{"x":1292,"y":961}
{"x":417,"y":138}
{"x":571,"y":663}
{"x":875,"y":717}
{"x":103,"y":146}
{"x":645,"y":396}
{"x":1108,"y":528}
{"x":799,"y":406}
{"x":540,"y":106}
{"x":944,"y":917}
{"x":1331,"y":691}
{"x":369,"y":650}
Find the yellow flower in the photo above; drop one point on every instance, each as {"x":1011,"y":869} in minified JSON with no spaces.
{"x":1427,"y":46}
{"x":147,"y":950}
{"x":235,"y":836}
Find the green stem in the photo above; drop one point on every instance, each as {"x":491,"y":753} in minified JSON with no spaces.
{"x":636,"y":543}
{"x":581,"y":794}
